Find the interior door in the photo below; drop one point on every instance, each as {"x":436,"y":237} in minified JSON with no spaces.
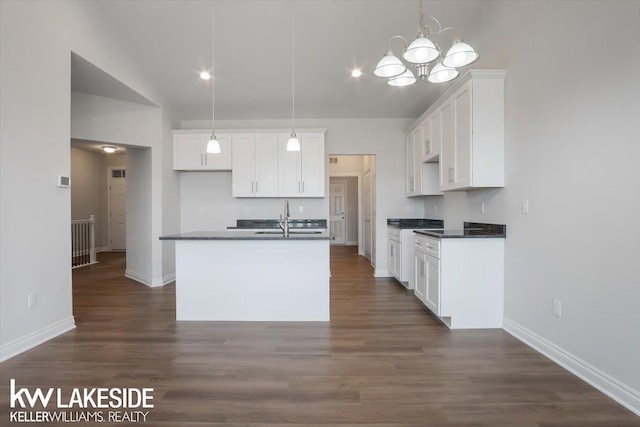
{"x":367,"y":199}
{"x":117,"y":209}
{"x":337,"y":208}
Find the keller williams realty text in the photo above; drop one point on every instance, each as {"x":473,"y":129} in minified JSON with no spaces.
{"x":118,"y":401}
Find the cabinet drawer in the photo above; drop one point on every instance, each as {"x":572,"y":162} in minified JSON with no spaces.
{"x":428,"y":245}
{"x":394,"y":233}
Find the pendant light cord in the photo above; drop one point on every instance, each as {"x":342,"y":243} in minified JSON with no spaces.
{"x":293,"y":72}
{"x":213,"y":86}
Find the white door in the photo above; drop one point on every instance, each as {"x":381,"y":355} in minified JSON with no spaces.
{"x":117,"y":209}
{"x":432,"y":280}
{"x":266,"y":164}
{"x":367,"y":199}
{"x":337,"y":207}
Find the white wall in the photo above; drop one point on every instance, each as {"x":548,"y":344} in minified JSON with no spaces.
{"x":207,"y":199}
{"x":36,"y":40}
{"x":572,"y":150}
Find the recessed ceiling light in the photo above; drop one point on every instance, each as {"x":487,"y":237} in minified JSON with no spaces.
{"x":205,"y":75}
{"x":108,"y":149}
{"x":356,"y":72}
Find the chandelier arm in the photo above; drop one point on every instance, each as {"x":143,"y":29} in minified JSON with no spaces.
{"x":439,"y":34}
{"x":406,"y":44}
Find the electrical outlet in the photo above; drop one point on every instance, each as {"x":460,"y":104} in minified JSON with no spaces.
{"x":557,"y":308}
{"x":32,"y":300}
{"x":525,"y":206}
{"x":408,"y":208}
{"x":300,"y":209}
{"x":482,"y":207}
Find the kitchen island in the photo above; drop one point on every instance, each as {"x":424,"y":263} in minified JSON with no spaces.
{"x":252,"y":276}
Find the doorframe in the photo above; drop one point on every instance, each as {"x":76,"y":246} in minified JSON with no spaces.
{"x":360,"y":213}
{"x":109,"y":169}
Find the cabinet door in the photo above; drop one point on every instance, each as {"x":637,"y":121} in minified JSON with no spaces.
{"x":313,"y":164}
{"x":436,"y":137}
{"x":432,"y":291}
{"x":392,"y":258}
{"x":220,"y":161}
{"x":427,"y":141}
{"x":410,"y":168}
{"x":417,"y":161}
{"x":447,"y":148}
{"x":188,"y":151}
{"x":289,"y":169}
{"x":266,"y":165}
{"x":242,"y":173}
{"x":420,"y":275}
{"x":461,"y":101}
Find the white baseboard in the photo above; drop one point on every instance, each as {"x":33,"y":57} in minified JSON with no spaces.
{"x":381,"y":273}
{"x":148,"y":281}
{"x":103,"y":249}
{"x":352,"y":243}
{"x":27,"y":342}
{"x":618,"y":391}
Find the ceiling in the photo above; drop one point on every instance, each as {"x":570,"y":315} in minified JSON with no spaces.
{"x":253,"y":55}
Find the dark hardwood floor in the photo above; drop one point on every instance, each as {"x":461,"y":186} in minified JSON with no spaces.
{"x":382,"y":360}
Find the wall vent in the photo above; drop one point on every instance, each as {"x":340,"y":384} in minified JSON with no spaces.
{"x":333,"y":160}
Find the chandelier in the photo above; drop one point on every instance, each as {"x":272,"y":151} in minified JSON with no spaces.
{"x":421,"y":53}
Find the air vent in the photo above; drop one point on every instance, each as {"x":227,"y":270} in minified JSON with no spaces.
{"x":118,"y":173}
{"x":333,"y":160}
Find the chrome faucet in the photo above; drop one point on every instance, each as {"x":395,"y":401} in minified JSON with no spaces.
{"x":284,"y":224}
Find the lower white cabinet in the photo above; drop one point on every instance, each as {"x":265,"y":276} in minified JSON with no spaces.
{"x":461,"y":280}
{"x":400,"y":255}
{"x":190,"y":151}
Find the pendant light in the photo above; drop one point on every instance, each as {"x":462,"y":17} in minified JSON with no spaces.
{"x":213,"y":146}
{"x":293,"y":144}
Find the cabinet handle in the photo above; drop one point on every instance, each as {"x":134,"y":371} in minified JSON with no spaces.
{"x":451,"y":174}
{"x":257,"y":182}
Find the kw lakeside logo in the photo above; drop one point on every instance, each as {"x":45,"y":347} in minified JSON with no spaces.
{"x":101,"y":404}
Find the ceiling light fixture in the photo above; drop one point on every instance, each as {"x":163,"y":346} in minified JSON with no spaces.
{"x":213,"y":146}
{"x":356,"y":72}
{"x":109,"y":149}
{"x":205,"y":75}
{"x":420,"y":53}
{"x":293,"y":144}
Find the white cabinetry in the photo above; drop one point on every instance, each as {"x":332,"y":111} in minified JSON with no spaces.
{"x":301,"y":173}
{"x":255,"y":163}
{"x":473,"y":152}
{"x":190,"y":152}
{"x":461,"y":280}
{"x":421,"y":178}
{"x":400,"y":255}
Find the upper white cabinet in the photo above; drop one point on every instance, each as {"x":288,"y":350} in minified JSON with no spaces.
{"x":301,"y":173}
{"x":473,"y":154}
{"x":422,"y":178}
{"x":255,"y":165}
{"x":464,"y":132}
{"x":190,"y":152}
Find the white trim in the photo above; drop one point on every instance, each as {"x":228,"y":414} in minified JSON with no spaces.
{"x":351,"y":243}
{"x":379,"y":272}
{"x":148,"y":281}
{"x":29,"y":341}
{"x":103,"y":249}
{"x":615,"y":389}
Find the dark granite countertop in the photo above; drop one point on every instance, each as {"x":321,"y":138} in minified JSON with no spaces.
{"x":248,"y":224}
{"x":472,"y":230}
{"x":249,"y":235}
{"x":412,"y":223}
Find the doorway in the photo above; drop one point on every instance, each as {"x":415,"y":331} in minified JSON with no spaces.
{"x":117,"y":207}
{"x":352,"y":202}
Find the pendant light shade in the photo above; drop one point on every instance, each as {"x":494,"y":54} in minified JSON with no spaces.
{"x":293,"y":144}
{"x":405,"y":79}
{"x":421,"y":51}
{"x":442,"y":74}
{"x":213,"y":146}
{"x":389,"y":66}
{"x":459,"y":55}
